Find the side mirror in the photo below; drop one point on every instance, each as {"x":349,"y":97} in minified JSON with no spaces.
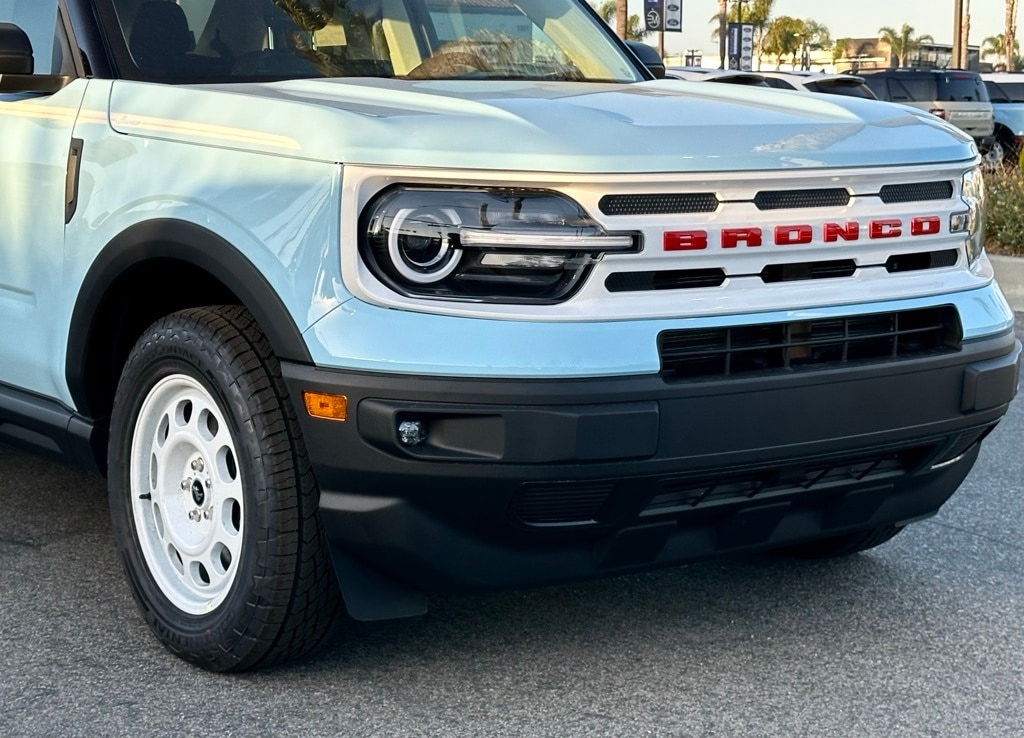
{"x":648,"y":56}
{"x":15,"y":51}
{"x":17,"y":65}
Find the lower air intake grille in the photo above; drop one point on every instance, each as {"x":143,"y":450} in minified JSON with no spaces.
{"x":563,"y":503}
{"x":676,"y":495}
{"x":812,"y":344}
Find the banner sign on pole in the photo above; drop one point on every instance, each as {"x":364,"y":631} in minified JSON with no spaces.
{"x":654,"y":15}
{"x":674,"y":16}
{"x":741,"y":46}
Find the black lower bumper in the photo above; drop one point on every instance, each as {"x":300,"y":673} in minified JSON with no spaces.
{"x":521,"y":482}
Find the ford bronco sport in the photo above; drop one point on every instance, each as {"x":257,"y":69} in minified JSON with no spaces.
{"x":359,"y":300}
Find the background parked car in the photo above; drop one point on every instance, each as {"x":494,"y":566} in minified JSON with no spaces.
{"x":955,"y":95}
{"x":829,"y":84}
{"x":1006,"y":91}
{"x":728,"y":76}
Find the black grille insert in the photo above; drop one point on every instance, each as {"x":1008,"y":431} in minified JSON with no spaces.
{"x":659,"y":204}
{"x":783,"y":199}
{"x":680,"y":279}
{"x":808,"y":270}
{"x":721,"y":352}
{"x":563,"y":503}
{"x":676,"y":495}
{"x":925,"y":260}
{"x":916,"y":192}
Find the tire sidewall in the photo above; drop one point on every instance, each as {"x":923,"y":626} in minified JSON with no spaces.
{"x":192,"y":353}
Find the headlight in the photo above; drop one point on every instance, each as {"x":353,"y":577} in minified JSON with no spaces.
{"x":971,"y":221}
{"x":512,"y":246}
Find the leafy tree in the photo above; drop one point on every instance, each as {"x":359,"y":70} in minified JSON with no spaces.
{"x":784,"y":38}
{"x":839,"y":49}
{"x":903,"y":42}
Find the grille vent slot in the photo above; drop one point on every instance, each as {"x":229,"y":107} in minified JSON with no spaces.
{"x":681,"y":279}
{"x":659,"y":204}
{"x":916,"y":192}
{"x":677,"y":495}
{"x":810,"y":270}
{"x":924,"y":260}
{"x":563,"y":503}
{"x":783,"y":199}
{"x":723,"y":352}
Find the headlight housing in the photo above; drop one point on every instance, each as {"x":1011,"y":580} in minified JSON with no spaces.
{"x":483,"y":245}
{"x":971,"y":221}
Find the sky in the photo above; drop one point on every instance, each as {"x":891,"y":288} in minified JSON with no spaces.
{"x":851,"y":18}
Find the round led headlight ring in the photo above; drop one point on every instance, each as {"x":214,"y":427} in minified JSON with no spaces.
{"x":419,"y":244}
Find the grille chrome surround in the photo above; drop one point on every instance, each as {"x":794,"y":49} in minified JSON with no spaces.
{"x":808,"y":345}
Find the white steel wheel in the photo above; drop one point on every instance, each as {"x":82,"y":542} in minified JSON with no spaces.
{"x":213,"y":503}
{"x":187,"y":494}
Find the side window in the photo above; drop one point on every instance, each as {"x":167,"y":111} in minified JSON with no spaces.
{"x":62,"y":62}
{"x":37,"y":18}
{"x":899,"y":93}
{"x":921,"y":89}
{"x":876,"y":84}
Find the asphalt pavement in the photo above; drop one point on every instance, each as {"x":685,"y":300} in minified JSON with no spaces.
{"x":923,"y":636}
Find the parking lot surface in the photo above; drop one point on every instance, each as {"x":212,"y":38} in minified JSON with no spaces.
{"x":923,"y":636}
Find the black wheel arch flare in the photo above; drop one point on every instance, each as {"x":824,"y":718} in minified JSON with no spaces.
{"x":167,"y":241}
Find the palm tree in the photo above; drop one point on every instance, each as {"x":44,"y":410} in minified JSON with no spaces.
{"x":621,"y":20}
{"x":1010,"y":35}
{"x":904,"y":42}
{"x":996,"y":46}
{"x":635,"y":29}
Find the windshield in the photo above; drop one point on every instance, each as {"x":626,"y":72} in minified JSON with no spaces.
{"x":245,"y":40}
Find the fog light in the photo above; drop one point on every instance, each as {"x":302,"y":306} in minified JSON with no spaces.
{"x":412,"y":432}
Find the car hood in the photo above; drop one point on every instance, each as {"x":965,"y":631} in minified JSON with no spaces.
{"x":657,"y":126}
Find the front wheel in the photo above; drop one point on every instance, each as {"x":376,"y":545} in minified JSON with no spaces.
{"x":213,"y":502}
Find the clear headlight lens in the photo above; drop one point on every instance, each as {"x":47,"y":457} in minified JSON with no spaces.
{"x":971,"y":221}
{"x":501,"y":245}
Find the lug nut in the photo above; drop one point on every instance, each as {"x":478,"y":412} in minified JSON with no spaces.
{"x":185,"y":484}
{"x":194,"y":515}
{"x":208,"y":513}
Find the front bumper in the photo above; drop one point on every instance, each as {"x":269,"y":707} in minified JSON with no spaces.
{"x":525,"y":482}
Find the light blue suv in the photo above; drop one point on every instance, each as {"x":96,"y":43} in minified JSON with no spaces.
{"x":359,"y":301}
{"x":1007,"y":93}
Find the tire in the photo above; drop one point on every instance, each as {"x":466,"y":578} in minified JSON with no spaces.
{"x":212,"y":498}
{"x":851,"y":543}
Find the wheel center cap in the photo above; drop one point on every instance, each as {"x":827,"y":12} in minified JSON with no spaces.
{"x":198,"y":493}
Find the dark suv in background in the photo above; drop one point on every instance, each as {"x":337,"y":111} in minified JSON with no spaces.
{"x":954,"y":95}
